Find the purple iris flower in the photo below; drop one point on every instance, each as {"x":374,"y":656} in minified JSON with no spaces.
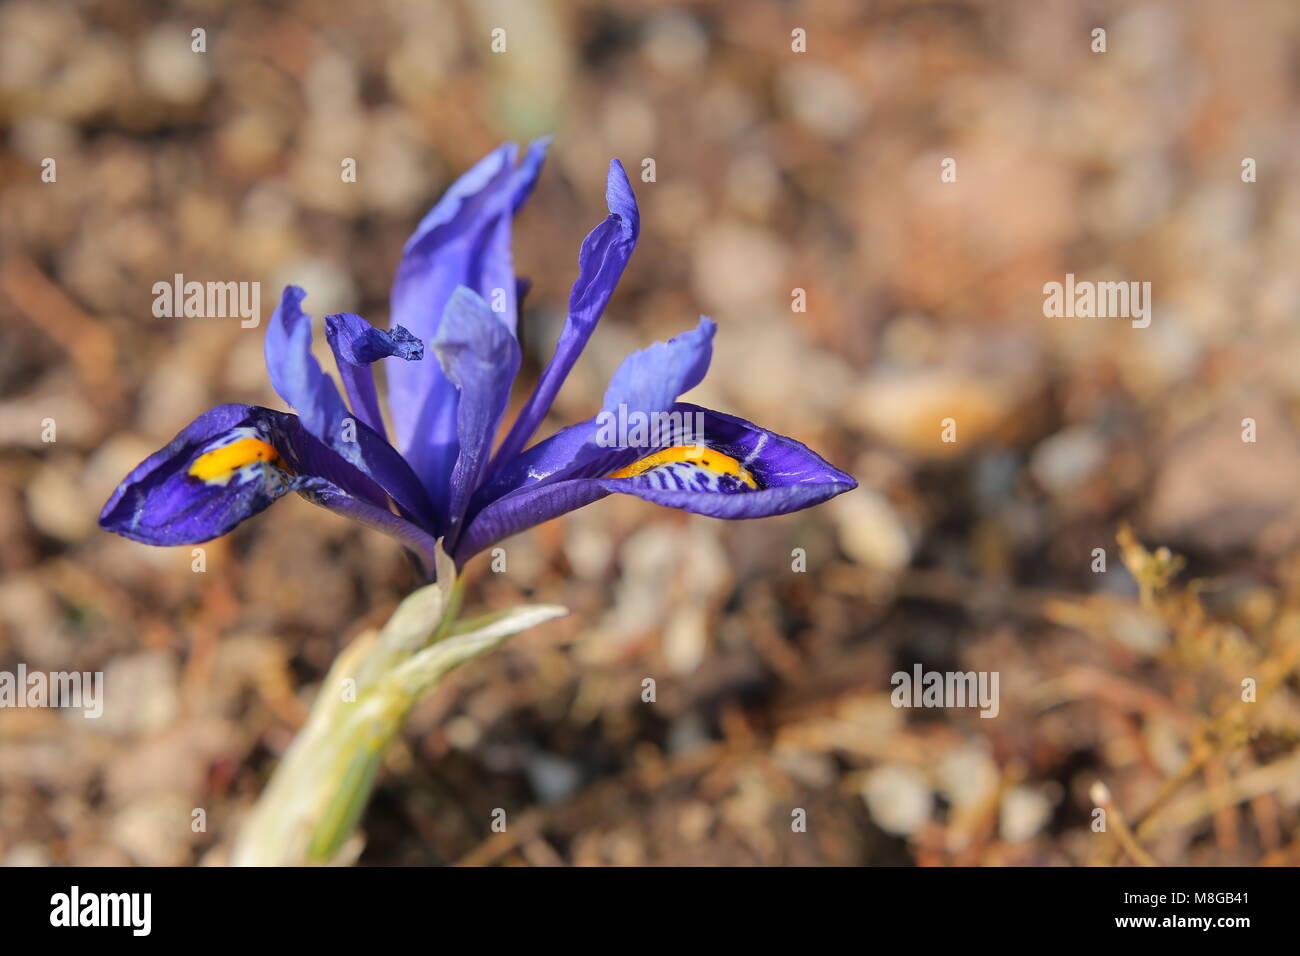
{"x":436,"y":476}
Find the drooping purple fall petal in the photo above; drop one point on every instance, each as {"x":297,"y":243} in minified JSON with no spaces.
{"x":731,"y":469}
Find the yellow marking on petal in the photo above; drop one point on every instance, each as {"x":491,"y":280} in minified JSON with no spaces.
{"x":220,"y":463}
{"x":709,"y":459}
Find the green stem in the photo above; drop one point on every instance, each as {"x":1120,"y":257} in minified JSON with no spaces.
{"x":321,"y":787}
{"x":318,"y":793}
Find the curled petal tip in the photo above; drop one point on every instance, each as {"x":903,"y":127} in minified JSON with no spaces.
{"x":621,"y":201}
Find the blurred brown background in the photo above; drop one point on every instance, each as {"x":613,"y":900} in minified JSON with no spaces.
{"x":775,"y":170}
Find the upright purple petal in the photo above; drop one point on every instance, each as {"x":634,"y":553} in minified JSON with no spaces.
{"x":464,"y":240}
{"x":648,"y":381}
{"x":601,"y":261}
{"x":298,"y":379}
{"x":481,"y":358}
{"x":494,"y":261}
{"x":525,"y":176}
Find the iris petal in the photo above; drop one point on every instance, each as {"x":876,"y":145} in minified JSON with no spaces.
{"x":648,"y":381}
{"x":356,"y":345}
{"x":464,"y":240}
{"x":328,"y":495}
{"x":213,"y":475}
{"x":481,"y":358}
{"x":300,"y":381}
{"x":601,"y":261}
{"x":159,"y":502}
{"x":787,"y":476}
{"x":525,"y":508}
